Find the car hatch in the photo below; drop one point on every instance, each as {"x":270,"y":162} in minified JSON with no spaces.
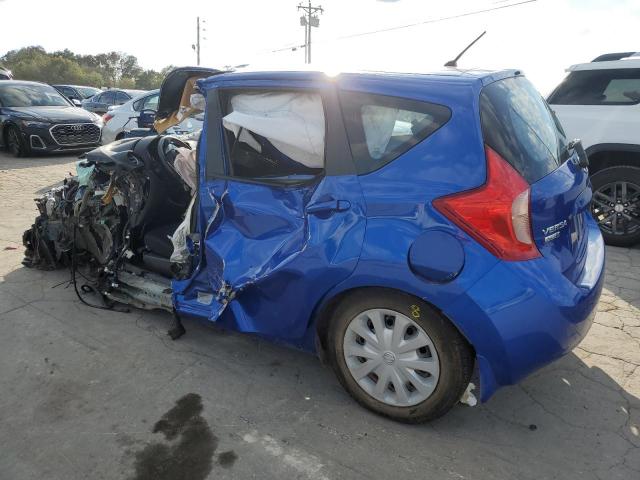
{"x":520,"y":127}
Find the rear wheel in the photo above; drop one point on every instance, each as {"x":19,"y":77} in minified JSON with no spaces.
{"x":616,"y":204}
{"x":398,"y":356}
{"x":15,"y":144}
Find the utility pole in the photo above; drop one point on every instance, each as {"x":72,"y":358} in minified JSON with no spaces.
{"x":309,"y":20}
{"x":196,"y":46}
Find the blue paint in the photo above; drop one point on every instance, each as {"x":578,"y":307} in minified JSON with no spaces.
{"x":436,"y":256}
{"x":272,"y":256}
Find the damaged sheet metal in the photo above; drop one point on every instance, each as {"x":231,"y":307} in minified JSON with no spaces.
{"x":142,"y":290}
{"x":271,"y":252}
{"x":269,"y":261}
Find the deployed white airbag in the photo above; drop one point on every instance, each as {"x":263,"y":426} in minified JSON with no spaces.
{"x":292,"y":122}
{"x":181,"y":252}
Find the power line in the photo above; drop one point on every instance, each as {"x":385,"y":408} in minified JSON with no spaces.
{"x":409,"y":25}
{"x":435,"y":20}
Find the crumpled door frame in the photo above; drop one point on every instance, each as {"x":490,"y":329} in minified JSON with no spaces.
{"x":225,"y":291}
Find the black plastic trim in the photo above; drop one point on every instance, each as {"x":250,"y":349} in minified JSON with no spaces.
{"x":613,"y":147}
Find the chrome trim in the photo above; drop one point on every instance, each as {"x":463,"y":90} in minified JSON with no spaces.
{"x":32,"y":137}
{"x":72,"y":124}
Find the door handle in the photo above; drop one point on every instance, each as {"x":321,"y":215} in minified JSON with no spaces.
{"x":329,"y":206}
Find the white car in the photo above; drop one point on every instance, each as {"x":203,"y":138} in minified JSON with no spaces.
{"x":599,"y":103}
{"x":124,"y":118}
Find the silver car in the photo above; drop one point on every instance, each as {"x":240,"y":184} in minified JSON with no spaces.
{"x":119,"y":120}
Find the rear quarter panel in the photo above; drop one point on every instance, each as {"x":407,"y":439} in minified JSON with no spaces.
{"x":398,"y":196}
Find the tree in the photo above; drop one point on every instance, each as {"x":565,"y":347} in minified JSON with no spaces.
{"x":110,"y":69}
{"x":149,"y":79}
{"x":126,"y":82}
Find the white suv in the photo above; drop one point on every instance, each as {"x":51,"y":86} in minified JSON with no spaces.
{"x":599,"y":103}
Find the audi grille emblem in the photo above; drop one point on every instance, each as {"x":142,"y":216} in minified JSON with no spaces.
{"x":76,"y":128}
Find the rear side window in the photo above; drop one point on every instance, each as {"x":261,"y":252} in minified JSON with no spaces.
{"x":151,"y":103}
{"x":107,"y":97}
{"x":147,"y":103}
{"x":518,"y":124}
{"x":121,"y":98}
{"x":68,"y":92}
{"x":381,"y":128}
{"x":599,"y":87}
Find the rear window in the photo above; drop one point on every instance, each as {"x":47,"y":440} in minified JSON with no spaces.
{"x":107,"y":97}
{"x":381,"y":128}
{"x":519,"y":125}
{"x":599,"y":87}
{"x":122,"y":97}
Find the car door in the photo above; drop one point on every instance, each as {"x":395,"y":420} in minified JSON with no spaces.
{"x":276,"y":235}
{"x":150,"y":102}
{"x":89,"y":103}
{"x":100,"y":104}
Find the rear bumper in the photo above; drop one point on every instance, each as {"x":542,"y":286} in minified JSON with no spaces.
{"x":523,"y":315}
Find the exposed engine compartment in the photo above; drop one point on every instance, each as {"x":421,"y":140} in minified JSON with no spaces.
{"x":112,"y":223}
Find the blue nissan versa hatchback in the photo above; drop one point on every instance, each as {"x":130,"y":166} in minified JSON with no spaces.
{"x":446,"y":226}
{"x":419,"y":232}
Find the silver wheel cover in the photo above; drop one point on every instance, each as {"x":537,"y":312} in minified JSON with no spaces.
{"x":391,"y":357}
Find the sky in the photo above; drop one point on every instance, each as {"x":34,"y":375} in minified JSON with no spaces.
{"x":542,"y":37}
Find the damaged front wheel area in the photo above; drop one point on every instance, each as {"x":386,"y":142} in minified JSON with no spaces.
{"x":398,"y":356}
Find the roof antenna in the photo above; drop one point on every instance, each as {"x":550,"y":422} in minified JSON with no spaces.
{"x":454,"y":62}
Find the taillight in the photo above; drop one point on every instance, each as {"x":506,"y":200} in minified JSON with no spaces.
{"x":106,"y":117}
{"x":495,"y":214}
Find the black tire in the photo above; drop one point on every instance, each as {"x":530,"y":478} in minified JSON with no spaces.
{"x":14,"y":143}
{"x":627,"y":233}
{"x":455,"y":354}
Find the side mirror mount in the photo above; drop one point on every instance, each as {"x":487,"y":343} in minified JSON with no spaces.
{"x":76,"y":102}
{"x":576,"y":146}
{"x":146,"y":119}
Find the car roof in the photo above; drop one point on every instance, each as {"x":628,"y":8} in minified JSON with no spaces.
{"x":23,"y":82}
{"x":126,"y":90}
{"x":448,"y":75}
{"x":73,"y":86}
{"x":145,"y":93}
{"x":609,"y":61}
